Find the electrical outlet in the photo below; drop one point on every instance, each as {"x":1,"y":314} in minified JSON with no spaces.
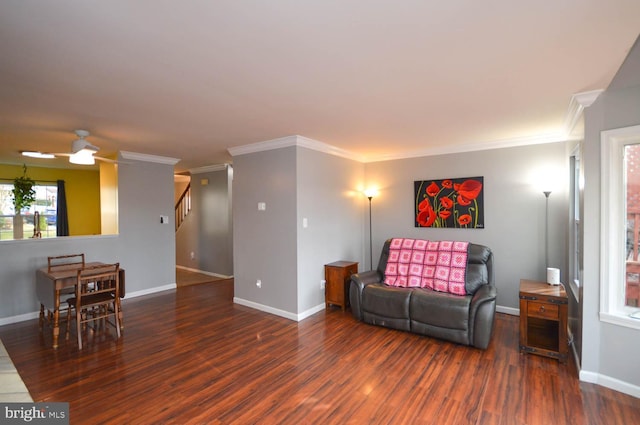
{"x":323,"y":283}
{"x":259,"y":283}
{"x":192,"y":255}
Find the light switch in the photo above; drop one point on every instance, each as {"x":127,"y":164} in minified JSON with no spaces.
{"x":164,"y":219}
{"x":262,"y":206}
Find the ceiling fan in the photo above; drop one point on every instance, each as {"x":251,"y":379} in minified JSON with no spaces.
{"x":82,"y":152}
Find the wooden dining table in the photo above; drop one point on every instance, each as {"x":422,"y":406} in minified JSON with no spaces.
{"x":52,"y":284}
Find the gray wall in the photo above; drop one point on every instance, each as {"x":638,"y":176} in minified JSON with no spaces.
{"x":207,"y":230}
{"x":272,"y":245}
{"x":328,"y":197}
{"x":609,"y":352}
{"x":265,"y":241}
{"x":513,"y":201}
{"x":147,"y":247}
{"x":144,"y":247}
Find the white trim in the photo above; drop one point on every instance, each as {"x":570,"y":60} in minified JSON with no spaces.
{"x":296,"y":140}
{"x":149,"y":158}
{"x":19,"y":318}
{"x":578,"y":102}
{"x":620,"y":320}
{"x":440,"y":150}
{"x":209,"y":168}
{"x":204,"y":272}
{"x":311,"y":311}
{"x":265,"y":308}
{"x":150,"y":291}
{"x":612,"y":225}
{"x":36,"y":314}
{"x":474,"y":147}
{"x":276,"y":311}
{"x":508,"y":310}
{"x":575,"y":290}
{"x":609,"y":382}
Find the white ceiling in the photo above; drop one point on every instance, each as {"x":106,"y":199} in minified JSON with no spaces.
{"x":378,"y":78}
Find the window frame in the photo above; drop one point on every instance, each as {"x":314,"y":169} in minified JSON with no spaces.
{"x":38,"y":185}
{"x":613,"y":226}
{"x":575,"y":232}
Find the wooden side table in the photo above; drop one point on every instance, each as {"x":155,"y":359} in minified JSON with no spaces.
{"x":543,"y":319}
{"x":337,"y":276}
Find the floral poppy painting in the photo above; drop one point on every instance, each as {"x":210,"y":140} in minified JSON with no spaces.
{"x":450,"y":203}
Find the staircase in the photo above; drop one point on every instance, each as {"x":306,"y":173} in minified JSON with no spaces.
{"x":183,"y":206}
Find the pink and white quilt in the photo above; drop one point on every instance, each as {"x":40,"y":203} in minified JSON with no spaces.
{"x":418,"y":263}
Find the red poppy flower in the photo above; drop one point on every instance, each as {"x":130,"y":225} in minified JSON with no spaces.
{"x":470,"y":189}
{"x":433,"y":189}
{"x":424,"y":204}
{"x":464,"y":219}
{"x":446,"y":202}
{"x":463,"y":201}
{"x":427,"y":216}
{"x":447,"y":184}
{"x":445,"y":214}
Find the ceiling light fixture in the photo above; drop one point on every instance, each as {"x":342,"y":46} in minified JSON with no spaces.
{"x":82,"y":150}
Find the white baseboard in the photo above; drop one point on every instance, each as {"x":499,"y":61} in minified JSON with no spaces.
{"x":151,"y":291}
{"x":266,"y":308}
{"x":19,"y":318}
{"x":282,"y":313}
{"x":35,"y":314}
{"x":609,"y":382}
{"x":508,"y":310}
{"x":585,"y":375}
{"x":204,"y":272}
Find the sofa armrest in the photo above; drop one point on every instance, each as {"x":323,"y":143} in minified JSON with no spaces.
{"x":358,"y":283}
{"x":484,"y":293}
{"x":481,"y":316}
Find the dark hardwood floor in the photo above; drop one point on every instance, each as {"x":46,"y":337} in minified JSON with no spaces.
{"x":192,"y":356}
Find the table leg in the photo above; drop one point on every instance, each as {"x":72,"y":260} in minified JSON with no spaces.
{"x":41,"y":322}
{"x":120,"y":315}
{"x":56,"y":318}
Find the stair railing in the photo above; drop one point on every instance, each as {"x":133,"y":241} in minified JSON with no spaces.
{"x":183,"y":206}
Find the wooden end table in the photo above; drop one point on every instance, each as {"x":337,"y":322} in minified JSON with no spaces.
{"x":337,"y":277}
{"x":543,"y":319}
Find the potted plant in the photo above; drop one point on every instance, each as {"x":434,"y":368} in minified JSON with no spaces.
{"x":23,"y":197}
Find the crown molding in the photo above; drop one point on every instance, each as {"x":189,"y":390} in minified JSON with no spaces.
{"x":149,"y":158}
{"x":472,"y":147}
{"x":208,"y":168}
{"x":578,"y":102}
{"x":295,"y":140}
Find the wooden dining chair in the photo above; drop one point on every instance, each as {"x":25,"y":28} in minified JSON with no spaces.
{"x":62,"y":262}
{"x":65,"y":261}
{"x":96,"y":299}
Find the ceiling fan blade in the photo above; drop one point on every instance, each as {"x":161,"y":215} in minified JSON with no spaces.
{"x":109,"y":160}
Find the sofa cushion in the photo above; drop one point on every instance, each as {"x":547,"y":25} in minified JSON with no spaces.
{"x":386,"y":301}
{"x":440,"y":309}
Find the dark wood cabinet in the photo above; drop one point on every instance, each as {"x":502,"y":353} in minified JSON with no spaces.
{"x":543,"y":319}
{"x":337,"y":277}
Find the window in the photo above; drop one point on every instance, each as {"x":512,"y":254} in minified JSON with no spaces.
{"x":575,"y":257}
{"x":45,"y":205}
{"x":620,"y":221}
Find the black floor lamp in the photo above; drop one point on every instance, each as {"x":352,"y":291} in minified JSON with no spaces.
{"x":370,"y":193}
{"x":546,"y":229}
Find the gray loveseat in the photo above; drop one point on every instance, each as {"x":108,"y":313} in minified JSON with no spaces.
{"x":464,"y":319}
